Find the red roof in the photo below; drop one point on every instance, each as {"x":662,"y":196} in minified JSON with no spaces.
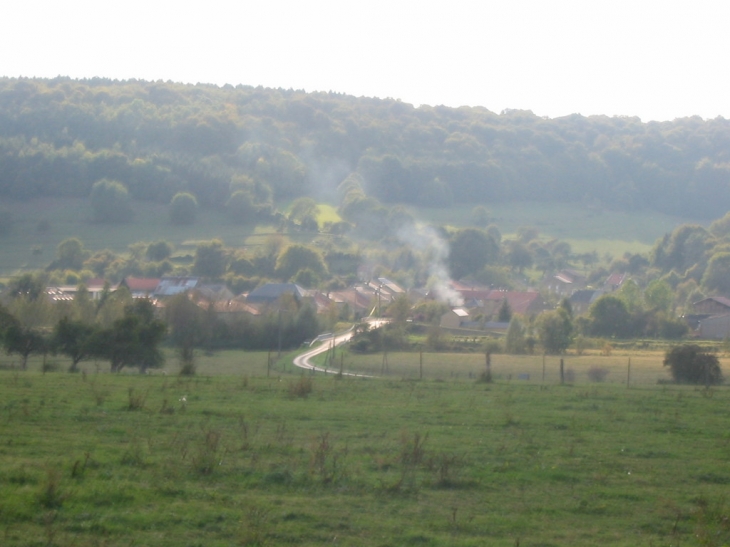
{"x":141,"y":284}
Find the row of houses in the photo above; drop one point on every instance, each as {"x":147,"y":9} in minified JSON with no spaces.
{"x":361,"y":300}
{"x":710,"y":317}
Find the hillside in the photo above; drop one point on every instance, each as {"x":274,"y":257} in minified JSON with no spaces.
{"x":57,"y":137}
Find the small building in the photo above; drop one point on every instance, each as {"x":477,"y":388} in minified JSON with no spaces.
{"x":714,"y":305}
{"x":271,"y":292}
{"x":716,"y":327}
{"x":453,"y":319}
{"x":172,"y":285}
{"x":95,"y":288}
{"x":566,"y":282}
{"x":215,"y":293}
{"x":582,"y":299}
{"x":140,"y":287}
{"x":614,"y":281}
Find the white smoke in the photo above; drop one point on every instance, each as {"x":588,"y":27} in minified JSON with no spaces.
{"x":427,"y":240}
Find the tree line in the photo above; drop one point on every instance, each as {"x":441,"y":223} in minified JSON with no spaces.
{"x":59,"y":136}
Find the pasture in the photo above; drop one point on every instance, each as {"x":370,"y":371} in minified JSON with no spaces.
{"x":41,"y":224}
{"x":233,"y":457}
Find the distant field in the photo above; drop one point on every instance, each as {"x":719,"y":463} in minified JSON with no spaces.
{"x":585,"y":228}
{"x":28,"y":247}
{"x":71,"y":218}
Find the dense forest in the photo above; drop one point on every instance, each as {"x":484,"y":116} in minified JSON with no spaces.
{"x":60,"y":136}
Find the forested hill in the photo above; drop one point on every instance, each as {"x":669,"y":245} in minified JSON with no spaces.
{"x":59,"y":136}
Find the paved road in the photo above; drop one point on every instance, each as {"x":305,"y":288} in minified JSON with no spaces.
{"x":303,"y":360}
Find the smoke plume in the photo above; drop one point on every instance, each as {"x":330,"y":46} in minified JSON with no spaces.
{"x":426,"y":240}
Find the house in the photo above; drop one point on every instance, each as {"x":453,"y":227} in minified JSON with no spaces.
{"x":714,"y":305}
{"x":716,"y":327}
{"x":566,"y":282}
{"x":709,"y":316}
{"x":322,"y":302}
{"x":614,"y":281}
{"x":454,"y":318}
{"x":172,"y":285}
{"x":214,"y":293}
{"x":582,"y":299}
{"x":271,"y":292}
{"x":358,"y":302}
{"x":140,"y":287}
{"x":230,"y":310}
{"x":94,"y":286}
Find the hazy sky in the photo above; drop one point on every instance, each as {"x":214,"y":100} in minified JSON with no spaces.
{"x":654,"y":59}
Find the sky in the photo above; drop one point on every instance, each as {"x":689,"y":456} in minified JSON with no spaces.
{"x":658,"y":60}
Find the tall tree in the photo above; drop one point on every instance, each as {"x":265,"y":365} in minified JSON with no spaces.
{"x":471,"y":250}
{"x":298,"y":257}
{"x":555,"y":330}
{"x":133,"y":340}
{"x":23,"y":341}
{"x":210,"y":259}
{"x":73,"y":339}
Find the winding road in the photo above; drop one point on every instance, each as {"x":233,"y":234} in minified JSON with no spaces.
{"x":303,"y":360}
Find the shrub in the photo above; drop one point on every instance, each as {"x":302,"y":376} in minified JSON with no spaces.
{"x":111,"y":202}
{"x":597,"y":374}
{"x":301,"y":388}
{"x":690,"y":364}
{"x":183,"y":208}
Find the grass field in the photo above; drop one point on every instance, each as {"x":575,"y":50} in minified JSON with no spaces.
{"x":586,"y":229}
{"x":27,"y":247}
{"x":71,"y":218}
{"x":238,"y":458}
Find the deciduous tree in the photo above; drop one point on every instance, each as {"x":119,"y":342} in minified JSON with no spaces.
{"x":111,"y":202}
{"x":183,"y":208}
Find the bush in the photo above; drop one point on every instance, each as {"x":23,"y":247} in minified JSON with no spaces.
{"x":690,"y":364}
{"x":111,"y":202}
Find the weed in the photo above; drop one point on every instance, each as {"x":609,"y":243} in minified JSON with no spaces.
{"x":712,"y":522}
{"x":135,"y":401}
{"x":134,"y":455}
{"x":412,"y":454}
{"x":51,"y":495}
{"x":79,"y":467}
{"x":325,"y":459}
{"x":246,"y":433}
{"x":301,"y":388}
{"x":99,"y":395}
{"x":443,"y":466}
{"x":254,"y":527}
{"x":50,"y":366}
{"x":166,"y":408}
{"x":209,"y":453}
{"x":49,"y":526}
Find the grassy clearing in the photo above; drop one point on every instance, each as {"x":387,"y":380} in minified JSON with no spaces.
{"x":327,"y":213}
{"x":27,"y":247}
{"x":586,"y":229}
{"x":241,"y":459}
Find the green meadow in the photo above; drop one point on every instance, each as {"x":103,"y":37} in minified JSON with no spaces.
{"x":235,"y":457}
